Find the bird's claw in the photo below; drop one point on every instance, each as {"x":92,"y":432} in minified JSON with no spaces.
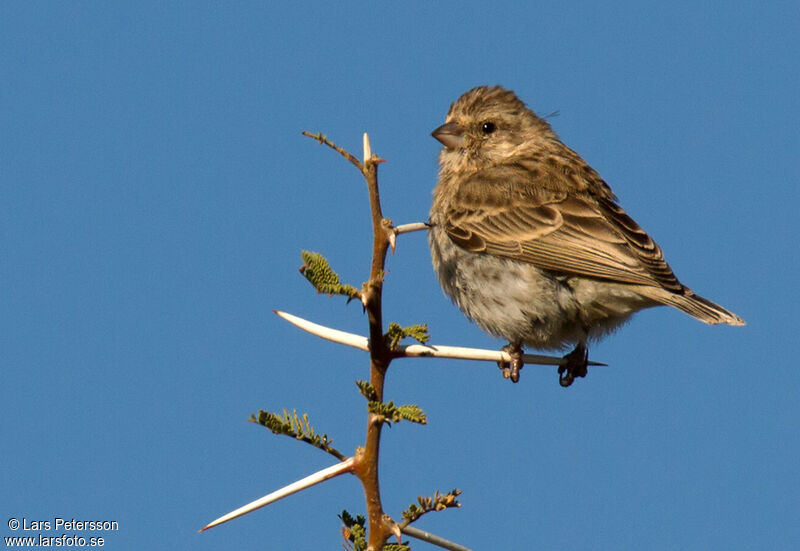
{"x":511,"y":370}
{"x":576,"y":366}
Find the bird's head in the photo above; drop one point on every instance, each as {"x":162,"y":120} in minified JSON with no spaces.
{"x":487,"y":126}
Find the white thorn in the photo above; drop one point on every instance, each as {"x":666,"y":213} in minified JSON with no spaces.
{"x":407,"y":228}
{"x":311,"y":480}
{"x":327,"y":333}
{"x":367,"y":148}
{"x":419,"y":350}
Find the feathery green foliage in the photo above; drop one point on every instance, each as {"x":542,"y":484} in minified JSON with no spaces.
{"x":297,"y":427}
{"x":393,"y":413}
{"x":390,"y":412}
{"x":355,"y":533}
{"x":319,"y":273}
{"x":396,"y":333}
{"x":437,"y":502}
{"x":367,"y":390}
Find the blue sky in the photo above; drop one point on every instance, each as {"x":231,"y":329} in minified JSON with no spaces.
{"x":155,"y":194}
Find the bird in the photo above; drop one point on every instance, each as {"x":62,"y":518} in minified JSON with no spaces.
{"x":531,"y":243}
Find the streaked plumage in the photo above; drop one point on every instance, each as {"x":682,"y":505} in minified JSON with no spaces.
{"x":529,"y":241}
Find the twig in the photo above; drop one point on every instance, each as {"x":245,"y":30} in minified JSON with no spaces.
{"x":344,"y":153}
{"x":345,"y":466}
{"x":431,"y":538}
{"x":419,"y":350}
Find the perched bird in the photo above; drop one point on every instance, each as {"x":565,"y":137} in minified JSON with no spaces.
{"x":529,"y":241}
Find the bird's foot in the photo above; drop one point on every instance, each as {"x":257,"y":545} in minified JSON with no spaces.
{"x":511,"y":371}
{"x":576,"y":366}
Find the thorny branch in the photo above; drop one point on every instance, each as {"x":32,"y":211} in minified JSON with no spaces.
{"x":364,"y":463}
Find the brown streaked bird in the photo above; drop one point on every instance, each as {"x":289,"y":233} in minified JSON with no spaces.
{"x":529,"y":241}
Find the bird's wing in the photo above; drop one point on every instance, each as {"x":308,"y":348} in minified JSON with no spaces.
{"x":576,"y":234}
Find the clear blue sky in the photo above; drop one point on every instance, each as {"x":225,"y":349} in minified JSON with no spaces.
{"x":155,"y":194}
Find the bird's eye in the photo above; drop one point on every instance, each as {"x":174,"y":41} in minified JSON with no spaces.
{"x":488,"y":127}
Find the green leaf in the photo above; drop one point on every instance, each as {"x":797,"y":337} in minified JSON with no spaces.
{"x":318,"y":272}
{"x":426,"y":504}
{"x":297,"y":427}
{"x":396,"y":333}
{"x":354,"y":531}
{"x":393,"y":413}
{"x":367,"y":390}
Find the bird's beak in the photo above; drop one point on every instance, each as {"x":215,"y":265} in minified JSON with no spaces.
{"x":451,"y":134}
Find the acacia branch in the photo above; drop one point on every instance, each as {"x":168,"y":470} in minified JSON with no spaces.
{"x":366,"y":465}
{"x":366,"y":459}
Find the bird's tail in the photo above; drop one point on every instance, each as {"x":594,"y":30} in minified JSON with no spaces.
{"x":697,"y":306}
